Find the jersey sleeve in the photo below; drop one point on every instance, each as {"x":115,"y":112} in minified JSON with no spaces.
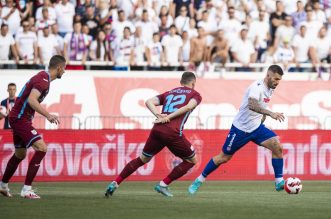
{"x":161,"y":97}
{"x":41,"y":84}
{"x":254,"y":92}
{"x":197,"y":97}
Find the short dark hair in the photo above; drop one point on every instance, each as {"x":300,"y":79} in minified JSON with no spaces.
{"x":172,"y":26}
{"x":55,"y":61}
{"x":11,"y":84}
{"x":4,"y":25}
{"x":187,"y":77}
{"x":276,"y":69}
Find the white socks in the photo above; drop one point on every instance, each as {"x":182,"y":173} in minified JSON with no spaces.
{"x":201,"y":178}
{"x":3,"y":185}
{"x":163,"y":184}
{"x":26,"y":188}
{"x":278,"y":180}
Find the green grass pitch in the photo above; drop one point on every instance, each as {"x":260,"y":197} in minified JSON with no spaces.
{"x":135,"y":200}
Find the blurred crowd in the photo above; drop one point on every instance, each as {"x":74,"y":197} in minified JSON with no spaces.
{"x":167,"y":32}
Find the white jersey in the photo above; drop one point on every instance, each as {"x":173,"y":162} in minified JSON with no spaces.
{"x":247,"y":120}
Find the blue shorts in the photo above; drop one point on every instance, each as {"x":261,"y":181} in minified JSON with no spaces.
{"x":237,"y":139}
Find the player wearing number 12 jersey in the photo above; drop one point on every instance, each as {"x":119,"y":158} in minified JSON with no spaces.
{"x":177,"y":105}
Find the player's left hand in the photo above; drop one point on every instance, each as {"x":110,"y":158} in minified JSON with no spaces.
{"x":159,"y":115}
{"x":53,"y":119}
{"x":162,"y":120}
{"x":278,"y":116}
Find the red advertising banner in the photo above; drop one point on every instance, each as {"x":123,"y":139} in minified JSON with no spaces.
{"x":91,"y":155}
{"x":101,"y":96}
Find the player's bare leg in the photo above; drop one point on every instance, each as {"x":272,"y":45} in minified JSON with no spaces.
{"x":131,"y":167}
{"x":40,"y":152}
{"x":276,"y":148}
{"x":212,"y":165}
{"x":12,"y":165}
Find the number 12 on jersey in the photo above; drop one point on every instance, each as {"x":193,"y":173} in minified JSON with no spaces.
{"x":172,"y":101}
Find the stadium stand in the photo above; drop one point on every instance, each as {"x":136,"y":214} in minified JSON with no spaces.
{"x":240,"y":34}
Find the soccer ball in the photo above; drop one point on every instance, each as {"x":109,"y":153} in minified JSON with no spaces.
{"x":3,"y":111}
{"x":293,"y":185}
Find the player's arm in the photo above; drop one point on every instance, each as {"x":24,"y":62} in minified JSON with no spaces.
{"x":34,"y":104}
{"x":184,"y":109}
{"x":151,"y":104}
{"x":263,"y":118}
{"x":254,"y":105}
{"x":2,"y":115}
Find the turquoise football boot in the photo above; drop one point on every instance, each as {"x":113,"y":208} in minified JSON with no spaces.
{"x":280,"y":185}
{"x":194,"y":187}
{"x":163,"y":190}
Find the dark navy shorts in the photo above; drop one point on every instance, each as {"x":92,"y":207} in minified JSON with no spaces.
{"x":237,"y":139}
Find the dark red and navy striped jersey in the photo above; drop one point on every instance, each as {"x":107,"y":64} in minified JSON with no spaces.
{"x":173,"y":100}
{"x":22,"y":109}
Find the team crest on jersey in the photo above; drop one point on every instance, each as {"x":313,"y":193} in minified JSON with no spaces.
{"x":266,"y":100}
{"x":34,"y":132}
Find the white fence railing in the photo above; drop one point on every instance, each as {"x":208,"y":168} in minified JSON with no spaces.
{"x":194,"y":122}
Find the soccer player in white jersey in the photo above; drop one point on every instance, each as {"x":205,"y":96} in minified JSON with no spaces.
{"x":248,"y":126}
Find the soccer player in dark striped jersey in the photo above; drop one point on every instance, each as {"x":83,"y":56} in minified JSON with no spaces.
{"x":24,"y":134}
{"x":167,"y":131}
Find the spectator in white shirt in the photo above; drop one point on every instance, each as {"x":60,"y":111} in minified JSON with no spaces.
{"x":123,"y":48}
{"x":7,"y":43}
{"x":192,"y":31}
{"x":154,"y":52}
{"x":321,"y":48}
{"x":172,"y":44}
{"x":11,"y":15}
{"x":51,"y":11}
{"x":301,"y":45}
{"x":145,"y":5}
{"x":47,"y":43}
{"x":209,"y":25}
{"x":284,"y":54}
{"x":182,"y":22}
{"x":59,"y":39}
{"x":75,"y":44}
{"x":285,"y":31}
{"x":243,"y":51}
{"x":186,"y":46}
{"x":45,"y":21}
{"x":147,"y":26}
{"x":26,"y":43}
{"x":98,"y":48}
{"x":86,"y":32}
{"x":121,"y":23}
{"x":231,"y":27}
{"x":312,"y":26}
{"x":158,"y":4}
{"x":65,"y":12}
{"x":139,"y":46}
{"x":259,"y":34}
{"x":260,"y":6}
{"x":318,"y":13}
{"x":168,"y":18}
